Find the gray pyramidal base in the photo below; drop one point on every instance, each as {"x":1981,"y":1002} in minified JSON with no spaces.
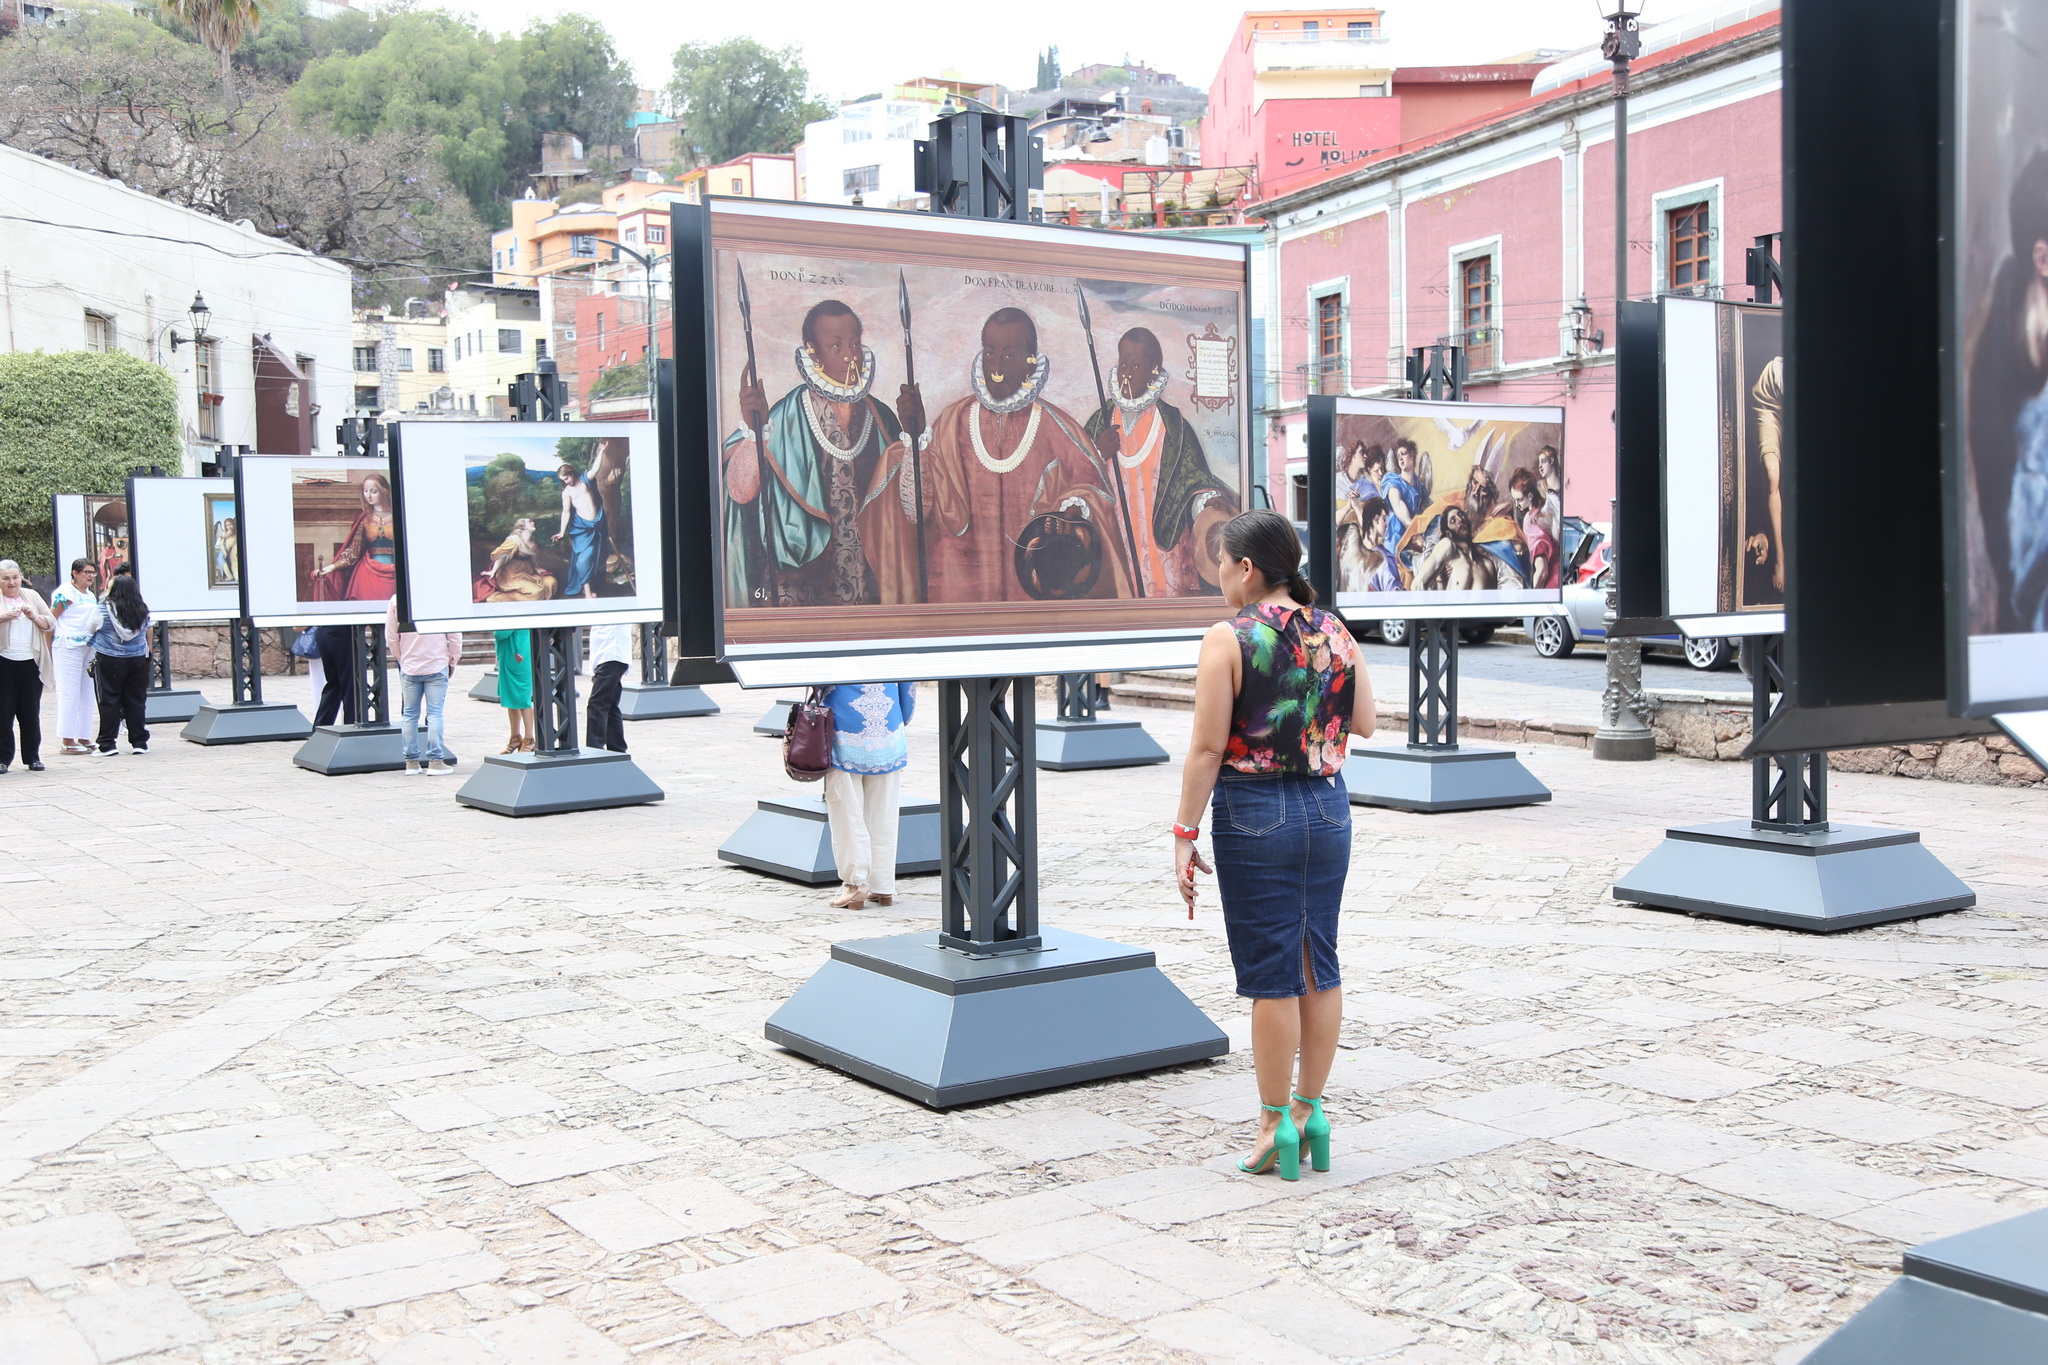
{"x":791,"y":837}
{"x":667,"y":701}
{"x":1431,"y":780}
{"x":172,"y":706}
{"x":945,"y":1028}
{"x":776,"y":722}
{"x":486,"y":688}
{"x":550,"y":784}
{"x":249,"y":723}
{"x":1069,"y":745}
{"x":1840,"y":878}
{"x":1977,"y":1298}
{"x":343,"y":750}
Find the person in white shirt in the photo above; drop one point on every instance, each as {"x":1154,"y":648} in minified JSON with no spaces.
{"x":76,"y":606}
{"x":25,"y":626}
{"x":611,"y":650}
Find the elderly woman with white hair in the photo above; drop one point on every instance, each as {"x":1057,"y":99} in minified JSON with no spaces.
{"x":25,"y":626}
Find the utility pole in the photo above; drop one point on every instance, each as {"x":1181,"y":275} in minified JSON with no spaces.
{"x":1622,"y":736}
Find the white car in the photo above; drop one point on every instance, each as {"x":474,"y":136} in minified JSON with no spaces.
{"x":1584,"y":618}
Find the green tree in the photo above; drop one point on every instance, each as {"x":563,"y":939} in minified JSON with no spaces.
{"x":575,"y":83}
{"x":221,"y":26}
{"x":739,"y":96}
{"x":438,"y":74}
{"x":75,"y":422}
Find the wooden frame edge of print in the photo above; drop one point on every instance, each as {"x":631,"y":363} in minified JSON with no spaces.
{"x":1434,"y":603}
{"x":433,"y":604}
{"x":1011,"y":257}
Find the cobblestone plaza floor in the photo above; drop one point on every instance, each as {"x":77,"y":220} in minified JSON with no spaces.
{"x":302,"y":1068}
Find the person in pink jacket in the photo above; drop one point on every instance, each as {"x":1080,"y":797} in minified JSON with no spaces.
{"x":425,"y":664}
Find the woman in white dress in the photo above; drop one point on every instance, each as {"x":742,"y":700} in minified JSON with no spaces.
{"x":76,"y":605}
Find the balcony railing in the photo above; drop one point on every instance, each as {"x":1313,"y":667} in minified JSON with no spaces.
{"x":1291,"y":50}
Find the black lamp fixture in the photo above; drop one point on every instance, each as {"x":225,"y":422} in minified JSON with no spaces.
{"x":201,"y":315}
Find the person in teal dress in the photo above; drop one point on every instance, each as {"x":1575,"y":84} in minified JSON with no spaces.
{"x":515,"y":687}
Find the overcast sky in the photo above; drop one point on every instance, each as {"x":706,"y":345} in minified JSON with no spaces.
{"x":852,"y":50}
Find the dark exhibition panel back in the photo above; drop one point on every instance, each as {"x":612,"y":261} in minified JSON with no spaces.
{"x":1638,"y":473}
{"x":1865,"y":603}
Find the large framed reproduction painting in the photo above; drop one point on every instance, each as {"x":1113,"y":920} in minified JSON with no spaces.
{"x":932,"y":435}
{"x":1444,"y":509}
{"x":1995,"y":309}
{"x":92,"y":526}
{"x":510,"y":524}
{"x":1723,"y":445}
{"x":320,"y":537}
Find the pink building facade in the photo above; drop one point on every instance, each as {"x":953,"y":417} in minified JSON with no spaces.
{"x":1499,"y":236}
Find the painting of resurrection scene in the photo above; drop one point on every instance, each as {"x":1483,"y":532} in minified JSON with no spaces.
{"x":550,"y":517}
{"x":1043,"y":433}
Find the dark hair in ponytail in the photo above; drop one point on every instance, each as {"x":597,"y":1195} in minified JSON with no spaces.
{"x":1268,"y":540}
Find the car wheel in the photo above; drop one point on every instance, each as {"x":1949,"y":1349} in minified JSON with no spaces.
{"x":1477,"y":634}
{"x":1706,"y":653}
{"x":1394,"y":632}
{"x":1552,"y":637}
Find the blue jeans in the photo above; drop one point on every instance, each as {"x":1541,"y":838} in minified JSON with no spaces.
{"x":433,"y":689}
{"x":1283,"y":845}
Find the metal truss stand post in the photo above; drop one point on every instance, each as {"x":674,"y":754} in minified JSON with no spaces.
{"x":372,"y":744}
{"x":993,"y":1004}
{"x":1434,"y":772}
{"x":1081,"y":738}
{"x":248,"y":719}
{"x":558,"y":776}
{"x":654,"y":697}
{"x":165,"y":703}
{"x":1787,"y":864}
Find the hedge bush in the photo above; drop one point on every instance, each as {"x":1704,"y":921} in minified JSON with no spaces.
{"x":75,"y":422}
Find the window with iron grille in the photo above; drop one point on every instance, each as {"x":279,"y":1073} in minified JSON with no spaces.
{"x":1688,"y":246}
{"x":1475,"y":292}
{"x":1329,"y":365}
{"x":366,"y":357}
{"x":437,"y":360}
{"x":404,"y":358}
{"x":206,"y":365}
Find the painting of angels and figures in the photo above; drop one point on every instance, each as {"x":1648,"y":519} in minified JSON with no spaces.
{"x":1442,"y":504}
{"x":931,"y":427}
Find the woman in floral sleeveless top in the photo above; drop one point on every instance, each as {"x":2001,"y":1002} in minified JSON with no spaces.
{"x":1279,"y":692}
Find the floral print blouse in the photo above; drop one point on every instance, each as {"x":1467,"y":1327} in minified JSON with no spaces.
{"x":1293,"y":709}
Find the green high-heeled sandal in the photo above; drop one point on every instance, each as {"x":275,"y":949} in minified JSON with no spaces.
{"x":1286,"y":1148}
{"x":1315,"y":1134}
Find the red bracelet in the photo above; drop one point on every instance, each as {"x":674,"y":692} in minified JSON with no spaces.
{"x":1187,"y":832}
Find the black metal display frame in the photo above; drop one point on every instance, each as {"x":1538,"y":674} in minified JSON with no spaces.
{"x":1078,"y":737}
{"x":658,"y":696}
{"x":558,"y":776}
{"x":1786,"y":865}
{"x":1433,"y":773}
{"x":247,"y":719}
{"x":994,"y":1004}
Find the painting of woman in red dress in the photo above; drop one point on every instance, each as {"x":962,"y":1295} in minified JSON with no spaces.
{"x":364,"y":568}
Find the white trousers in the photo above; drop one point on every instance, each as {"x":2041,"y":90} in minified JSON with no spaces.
{"x":862,"y":809}
{"x":78,"y":710}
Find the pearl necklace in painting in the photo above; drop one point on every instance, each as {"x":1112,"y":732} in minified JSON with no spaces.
{"x":1148,"y":447}
{"x":1016,"y":455}
{"x":832,"y":447}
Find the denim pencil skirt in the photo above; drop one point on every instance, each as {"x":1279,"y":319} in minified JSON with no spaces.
{"x":1283,"y":845}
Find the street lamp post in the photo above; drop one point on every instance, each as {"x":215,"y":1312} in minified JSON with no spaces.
{"x":647,"y":266}
{"x":1622,"y":736}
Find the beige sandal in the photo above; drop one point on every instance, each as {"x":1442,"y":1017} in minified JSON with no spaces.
{"x":852,"y":898}
{"x":882,"y":898}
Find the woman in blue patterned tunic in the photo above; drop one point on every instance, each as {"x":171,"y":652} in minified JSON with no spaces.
{"x":869,"y":753}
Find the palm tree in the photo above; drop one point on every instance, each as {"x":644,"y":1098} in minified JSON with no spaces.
{"x":221,"y":25}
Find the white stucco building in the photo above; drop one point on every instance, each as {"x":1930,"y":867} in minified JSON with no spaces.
{"x":89,"y":264}
{"x":867,"y":150}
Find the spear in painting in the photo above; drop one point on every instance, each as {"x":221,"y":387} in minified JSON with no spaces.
{"x":924,"y":587}
{"x":751,"y":515}
{"x":1116,"y":469}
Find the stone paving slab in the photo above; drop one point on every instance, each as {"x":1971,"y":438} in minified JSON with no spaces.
{"x":340,"y":1071}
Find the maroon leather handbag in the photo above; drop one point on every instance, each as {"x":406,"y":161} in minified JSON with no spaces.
{"x":807,"y":743}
